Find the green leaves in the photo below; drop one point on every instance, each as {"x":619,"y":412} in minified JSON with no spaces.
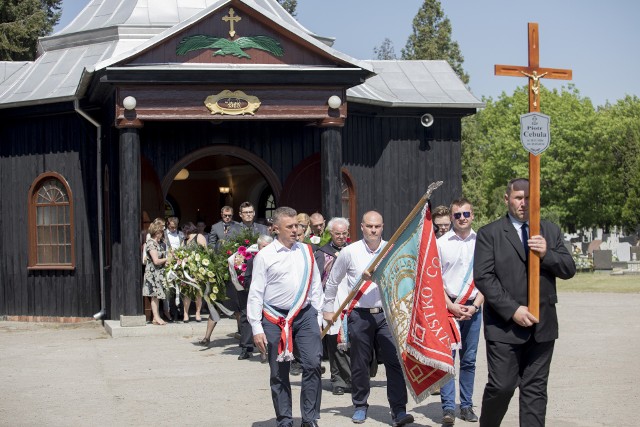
{"x":590,"y":175}
{"x":21,"y":23}
{"x":431,"y":38}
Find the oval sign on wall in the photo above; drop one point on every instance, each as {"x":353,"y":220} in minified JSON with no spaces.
{"x":232,"y":103}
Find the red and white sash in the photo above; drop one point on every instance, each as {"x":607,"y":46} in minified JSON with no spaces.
{"x":285,"y":346}
{"x":343,"y":334}
{"x":467,"y":289}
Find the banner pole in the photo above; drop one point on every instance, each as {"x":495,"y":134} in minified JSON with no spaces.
{"x":417,"y":208}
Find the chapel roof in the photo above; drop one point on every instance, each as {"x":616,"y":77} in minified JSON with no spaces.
{"x":416,"y":84}
{"x":108,"y":32}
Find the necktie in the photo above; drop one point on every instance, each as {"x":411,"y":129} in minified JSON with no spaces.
{"x":525,"y":238}
{"x":226,"y":229}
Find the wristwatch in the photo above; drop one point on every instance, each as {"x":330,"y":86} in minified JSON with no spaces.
{"x":477,"y":307}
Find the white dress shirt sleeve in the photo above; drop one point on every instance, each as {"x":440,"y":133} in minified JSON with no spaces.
{"x":255,"y":299}
{"x":316,"y":292}
{"x":338,"y":271}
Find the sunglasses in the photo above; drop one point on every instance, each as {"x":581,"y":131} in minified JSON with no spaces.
{"x":466,"y":214}
{"x":227,"y":215}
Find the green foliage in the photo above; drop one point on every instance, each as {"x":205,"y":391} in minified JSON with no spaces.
{"x":590,"y":174}
{"x":21,"y":23}
{"x":289,"y":5}
{"x":431,"y":38}
{"x":385,"y":50}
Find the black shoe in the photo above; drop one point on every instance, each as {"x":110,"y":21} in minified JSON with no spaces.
{"x":449,"y":417}
{"x":296,"y":369}
{"x":309,"y":424}
{"x":467,"y":414}
{"x":245,"y":355}
{"x":402,"y":419}
{"x":338,"y":391}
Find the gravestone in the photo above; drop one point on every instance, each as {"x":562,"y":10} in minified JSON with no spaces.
{"x":622,"y":251}
{"x":634,"y":250}
{"x":602,"y":260}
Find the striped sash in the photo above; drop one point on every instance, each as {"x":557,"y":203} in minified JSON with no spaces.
{"x":285,"y":346}
{"x":467,"y":288}
{"x":343,"y":334}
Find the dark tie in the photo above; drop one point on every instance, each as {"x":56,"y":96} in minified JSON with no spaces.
{"x":226,"y":229}
{"x":525,"y":238}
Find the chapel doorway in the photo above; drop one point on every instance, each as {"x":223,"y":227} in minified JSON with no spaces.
{"x":200,"y":184}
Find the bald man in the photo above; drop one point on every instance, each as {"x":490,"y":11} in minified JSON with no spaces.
{"x":367,"y":324}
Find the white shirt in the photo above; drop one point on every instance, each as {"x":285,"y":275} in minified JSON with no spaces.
{"x":351,"y":262}
{"x":175,"y":238}
{"x":456,"y":259}
{"x":518,"y":226}
{"x":277,"y":275}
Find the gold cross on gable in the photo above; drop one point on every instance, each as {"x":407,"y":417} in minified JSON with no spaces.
{"x":231,"y":19}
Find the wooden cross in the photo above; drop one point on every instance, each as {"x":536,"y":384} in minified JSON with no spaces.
{"x":534,"y":73}
{"x":231,"y":19}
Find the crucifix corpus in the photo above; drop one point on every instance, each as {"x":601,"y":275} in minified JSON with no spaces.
{"x":534,"y":73}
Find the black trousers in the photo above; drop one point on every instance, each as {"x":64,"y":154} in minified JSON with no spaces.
{"x":339,"y":363}
{"x":246,"y":334}
{"x":307,"y":347}
{"x":524,"y":366}
{"x":367,"y":332}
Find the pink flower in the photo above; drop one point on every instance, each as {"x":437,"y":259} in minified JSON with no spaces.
{"x":247,"y":241}
{"x":243,"y":267}
{"x":248,"y":255}
{"x":229,"y":252}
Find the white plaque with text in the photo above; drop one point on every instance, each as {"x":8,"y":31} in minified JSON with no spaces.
{"x":534,"y":132}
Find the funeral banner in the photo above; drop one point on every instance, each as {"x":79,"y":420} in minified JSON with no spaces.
{"x":410,"y":281}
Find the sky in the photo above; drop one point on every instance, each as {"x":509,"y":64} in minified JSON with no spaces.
{"x":598,"y":40}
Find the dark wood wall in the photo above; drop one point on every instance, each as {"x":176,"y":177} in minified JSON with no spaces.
{"x":281,"y":144}
{"x":394,"y":159}
{"x":391,"y":159}
{"x":33,"y":142}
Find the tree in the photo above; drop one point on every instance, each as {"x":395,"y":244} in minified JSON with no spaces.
{"x":492,"y":154}
{"x":385,"y":51}
{"x":431,"y":38}
{"x":21,"y":23}
{"x":289,"y":5}
{"x":609,"y":191}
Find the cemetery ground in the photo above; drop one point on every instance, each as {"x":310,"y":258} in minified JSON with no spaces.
{"x":77,"y":375}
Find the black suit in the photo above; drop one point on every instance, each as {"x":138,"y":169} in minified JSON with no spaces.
{"x":218,"y":234}
{"x":500,"y":273}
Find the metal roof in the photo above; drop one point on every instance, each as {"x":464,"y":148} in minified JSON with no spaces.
{"x":413,"y":84}
{"x":107,"y":32}
{"x":160,"y":13}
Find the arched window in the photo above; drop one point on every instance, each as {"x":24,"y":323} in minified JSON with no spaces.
{"x":266,"y":204}
{"x":51,"y":242}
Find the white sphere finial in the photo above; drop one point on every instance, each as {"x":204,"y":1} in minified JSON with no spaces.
{"x":334,"y":101}
{"x":129,"y":103}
